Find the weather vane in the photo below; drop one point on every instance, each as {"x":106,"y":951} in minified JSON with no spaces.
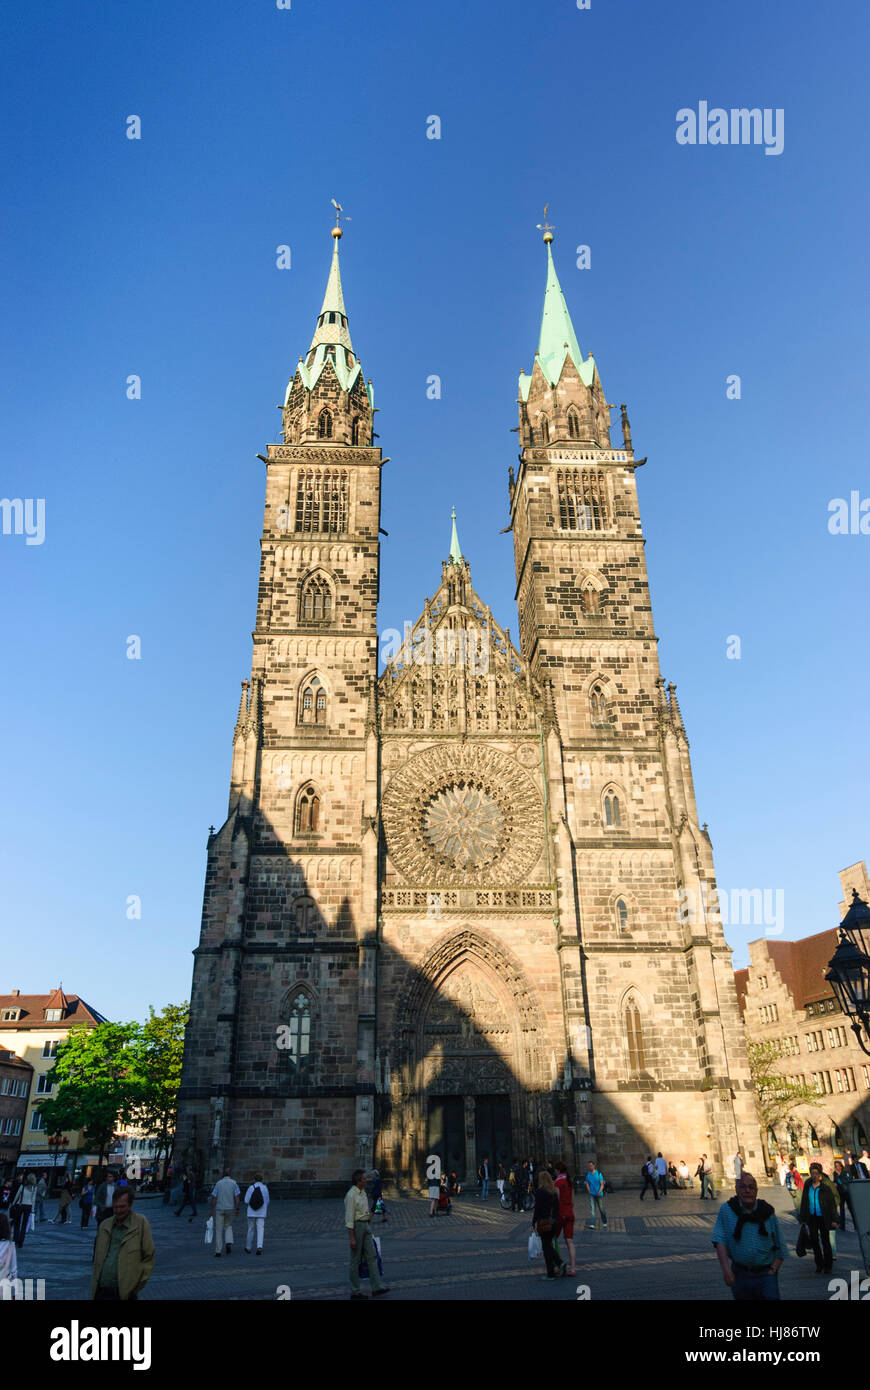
{"x":339,"y":214}
{"x":545,"y":226}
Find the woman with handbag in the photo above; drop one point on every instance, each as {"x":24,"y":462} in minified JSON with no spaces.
{"x":818,"y":1212}
{"x":544,"y":1222}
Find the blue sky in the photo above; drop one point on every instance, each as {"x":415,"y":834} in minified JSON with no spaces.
{"x":157,"y":257}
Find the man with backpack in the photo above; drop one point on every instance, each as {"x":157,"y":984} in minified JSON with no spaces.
{"x":648,"y":1173}
{"x":257,"y":1202}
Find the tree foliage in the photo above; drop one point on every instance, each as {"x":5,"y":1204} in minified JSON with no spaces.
{"x":119,"y":1074}
{"x":776,"y":1094}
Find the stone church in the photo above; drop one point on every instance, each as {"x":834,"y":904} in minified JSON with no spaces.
{"x":462,"y":906}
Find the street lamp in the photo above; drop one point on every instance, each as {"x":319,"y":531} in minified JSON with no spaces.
{"x":849,"y":971}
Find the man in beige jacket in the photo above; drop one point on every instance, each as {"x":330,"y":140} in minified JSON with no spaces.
{"x":123,"y":1253}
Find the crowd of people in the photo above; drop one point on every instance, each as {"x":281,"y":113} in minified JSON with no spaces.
{"x":747,"y":1237}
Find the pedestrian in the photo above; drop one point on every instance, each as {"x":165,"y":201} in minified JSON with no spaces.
{"x":86,"y":1202}
{"x":595,"y":1188}
{"x":515,"y":1179}
{"x":357,"y":1220}
{"x":41,"y":1194}
{"x":565,"y":1193}
{"x":188,"y":1196}
{"x":64,"y":1202}
{"x":842,"y":1184}
{"x":818,"y":1212}
{"x":685,"y":1175}
{"x":795,"y":1184}
{"x":749,"y":1244}
{"x":123,"y":1253}
{"x":257,"y":1202}
{"x":22,"y":1206}
{"x":855,"y":1169}
{"x":483,"y":1177}
{"x":673,"y":1175}
{"x":545,"y":1221}
{"x":500,"y":1178}
{"x":864,"y":1160}
{"x":738,"y":1165}
{"x":704,"y":1171}
{"x":782,"y":1169}
{"x":105,"y":1198}
{"x":224,"y":1206}
{"x":434,"y":1194}
{"x":661,"y":1168}
{"x":648,"y":1172}
{"x":8,"y":1254}
{"x":378,"y":1205}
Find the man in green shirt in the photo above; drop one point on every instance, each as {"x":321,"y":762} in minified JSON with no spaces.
{"x":123,"y":1253}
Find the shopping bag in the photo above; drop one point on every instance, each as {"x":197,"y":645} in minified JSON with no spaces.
{"x":804,"y":1242}
{"x":364,"y":1264}
{"x":536,"y":1246}
{"x":209,"y":1230}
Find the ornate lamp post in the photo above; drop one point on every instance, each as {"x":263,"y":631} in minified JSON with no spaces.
{"x":849,"y":971}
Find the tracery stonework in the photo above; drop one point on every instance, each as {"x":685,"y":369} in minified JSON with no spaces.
{"x":459,"y":814}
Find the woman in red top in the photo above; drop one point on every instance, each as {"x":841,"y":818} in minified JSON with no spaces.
{"x":566,"y":1212}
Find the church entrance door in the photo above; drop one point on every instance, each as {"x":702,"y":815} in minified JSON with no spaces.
{"x":446,"y":1133}
{"x":492,"y":1126}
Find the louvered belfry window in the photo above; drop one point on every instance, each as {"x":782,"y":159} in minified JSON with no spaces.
{"x":321,"y":500}
{"x":582,"y":499}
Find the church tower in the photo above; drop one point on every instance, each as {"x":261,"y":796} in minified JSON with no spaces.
{"x":654,"y":1022}
{"x":283,"y":990}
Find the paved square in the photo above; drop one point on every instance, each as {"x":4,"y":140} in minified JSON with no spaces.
{"x":651,"y":1251}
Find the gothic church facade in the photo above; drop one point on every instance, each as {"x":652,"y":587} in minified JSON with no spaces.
{"x":462,"y":906}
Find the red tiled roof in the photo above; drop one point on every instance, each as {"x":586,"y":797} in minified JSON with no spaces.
{"x":802,"y":966}
{"x":9,"y":1059}
{"x":33,"y":1008}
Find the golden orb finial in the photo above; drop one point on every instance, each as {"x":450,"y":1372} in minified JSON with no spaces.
{"x":337,"y":233}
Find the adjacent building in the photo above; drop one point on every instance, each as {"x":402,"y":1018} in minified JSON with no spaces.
{"x":33,"y":1026}
{"x":445,"y":911}
{"x":785,"y":999}
{"x":15,"y":1080}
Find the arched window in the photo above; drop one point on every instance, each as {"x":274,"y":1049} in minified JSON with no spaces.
{"x":324,"y":425}
{"x":307,"y":812}
{"x":634,"y":1038}
{"x":544,"y":427}
{"x":354,"y":430}
{"x":598,"y":706}
{"x":590,"y":600}
{"x":306,"y":918}
{"x":298,"y":1034}
{"x":316,"y":601}
{"x":837,"y":1141}
{"x":813,"y":1138}
{"x":611,"y":809}
{"x":622,"y":914}
{"x":312,"y":703}
{"x":573,"y":424}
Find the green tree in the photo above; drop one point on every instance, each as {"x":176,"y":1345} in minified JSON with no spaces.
{"x":159,"y":1048}
{"x":776,"y":1094}
{"x":96,"y":1073}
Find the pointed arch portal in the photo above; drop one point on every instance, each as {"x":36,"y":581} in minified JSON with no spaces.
{"x":468,"y":1049}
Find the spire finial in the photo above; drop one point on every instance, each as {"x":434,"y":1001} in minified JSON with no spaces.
{"x":455,"y":551}
{"x":545,"y":226}
{"x":339,"y":211}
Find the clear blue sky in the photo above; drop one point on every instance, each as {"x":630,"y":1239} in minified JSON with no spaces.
{"x":157,"y":257}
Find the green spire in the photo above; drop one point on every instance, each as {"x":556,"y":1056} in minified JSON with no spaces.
{"x":455,"y":552}
{"x":332,"y":319}
{"x":557,"y":339}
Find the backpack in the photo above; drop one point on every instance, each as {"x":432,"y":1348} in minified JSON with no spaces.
{"x":256,"y":1198}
